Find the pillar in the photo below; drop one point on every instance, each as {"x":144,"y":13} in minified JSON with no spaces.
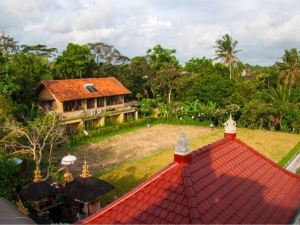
{"x":120,"y":118}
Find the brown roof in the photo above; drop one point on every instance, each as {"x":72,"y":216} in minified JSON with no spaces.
{"x":73,"y":89}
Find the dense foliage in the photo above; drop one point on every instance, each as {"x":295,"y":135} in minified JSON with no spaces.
{"x":266,"y":96}
{"x":202,"y":89}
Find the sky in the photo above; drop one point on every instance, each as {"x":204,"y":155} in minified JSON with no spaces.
{"x":263,"y":28}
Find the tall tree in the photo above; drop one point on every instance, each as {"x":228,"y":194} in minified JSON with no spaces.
{"x":280,"y":104}
{"x":160,"y":57}
{"x":289,"y":67}
{"x":40,"y":50}
{"x":225,"y":49}
{"x":199,"y":66}
{"x":167,"y":80}
{"x":7,"y":44}
{"x":139,"y":71}
{"x":105,"y":53}
{"x":23,"y":74}
{"x":74,"y":62}
{"x":165,"y":65}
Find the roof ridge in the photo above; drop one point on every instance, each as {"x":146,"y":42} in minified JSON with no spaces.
{"x":85,"y":78}
{"x":130,"y":193}
{"x":208,"y":147}
{"x":268,"y":160}
{"x":189,"y":192}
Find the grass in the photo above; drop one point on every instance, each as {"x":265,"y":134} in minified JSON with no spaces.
{"x":108,"y":131}
{"x":274,"y":145}
{"x":290,"y":156}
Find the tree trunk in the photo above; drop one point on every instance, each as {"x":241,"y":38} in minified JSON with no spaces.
{"x":169,"y":96}
{"x":230,"y":71}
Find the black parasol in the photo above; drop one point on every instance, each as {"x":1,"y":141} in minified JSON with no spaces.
{"x":86,"y":189}
{"x":36,"y":191}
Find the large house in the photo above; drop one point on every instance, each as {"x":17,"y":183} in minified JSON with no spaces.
{"x":226,"y":182}
{"x":86,"y":103}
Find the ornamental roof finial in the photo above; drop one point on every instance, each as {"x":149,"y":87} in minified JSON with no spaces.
{"x":230,"y":128}
{"x":182,"y":146}
{"x":85,"y":173}
{"x":37,"y":176}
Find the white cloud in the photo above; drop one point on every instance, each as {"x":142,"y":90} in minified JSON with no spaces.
{"x":264,"y":28}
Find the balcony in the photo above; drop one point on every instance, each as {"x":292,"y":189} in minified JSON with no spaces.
{"x":100,"y":111}
{"x":132,"y":103}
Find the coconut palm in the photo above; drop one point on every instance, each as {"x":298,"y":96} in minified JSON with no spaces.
{"x":226,"y":51}
{"x":289,"y":67}
{"x":280,"y":105}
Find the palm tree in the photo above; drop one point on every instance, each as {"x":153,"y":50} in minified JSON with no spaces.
{"x":226,"y":50}
{"x":279,"y":100}
{"x":289,"y":67}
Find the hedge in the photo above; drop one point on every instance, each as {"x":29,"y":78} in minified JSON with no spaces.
{"x":284,"y":162}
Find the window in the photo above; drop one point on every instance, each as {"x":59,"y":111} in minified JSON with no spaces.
{"x":100,"y":102}
{"x":114,"y":100}
{"x":90,"y":87}
{"x":90,"y":102}
{"x":88,"y":125}
{"x":72,"y":105}
{"x":71,"y":128}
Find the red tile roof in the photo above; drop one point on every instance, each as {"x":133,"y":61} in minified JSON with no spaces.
{"x":225,"y":182}
{"x":73,"y":89}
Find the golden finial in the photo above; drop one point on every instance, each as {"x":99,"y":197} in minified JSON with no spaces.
{"x":85,"y":173}
{"x":37,"y":177}
{"x":68,"y":177}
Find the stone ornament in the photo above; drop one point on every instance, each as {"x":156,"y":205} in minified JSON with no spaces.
{"x":182,"y":146}
{"x":230,"y":126}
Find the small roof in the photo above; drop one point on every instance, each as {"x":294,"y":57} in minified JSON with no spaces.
{"x":73,"y":89}
{"x":225,"y":182}
{"x":36,"y":191}
{"x":86,"y":189}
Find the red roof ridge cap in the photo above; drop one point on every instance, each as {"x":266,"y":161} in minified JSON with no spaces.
{"x":130,"y":193}
{"x":189,"y":192}
{"x":268,"y":160}
{"x":208,"y":147}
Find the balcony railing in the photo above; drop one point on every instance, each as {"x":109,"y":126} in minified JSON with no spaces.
{"x":132,"y":103}
{"x":97,"y":111}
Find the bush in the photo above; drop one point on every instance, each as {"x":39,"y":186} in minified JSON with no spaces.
{"x":9,"y":179}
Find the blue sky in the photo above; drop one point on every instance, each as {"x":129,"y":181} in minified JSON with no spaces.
{"x":264,"y":28}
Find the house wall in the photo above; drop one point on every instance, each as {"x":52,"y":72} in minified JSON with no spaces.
{"x":45,"y":95}
{"x":76,"y":118}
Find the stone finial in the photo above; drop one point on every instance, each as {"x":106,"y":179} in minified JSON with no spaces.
{"x":182,"y":146}
{"x":230,"y":128}
{"x":182,"y":150}
{"x":85,"y":173}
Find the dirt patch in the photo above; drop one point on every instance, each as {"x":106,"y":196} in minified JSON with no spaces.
{"x":115,"y":150}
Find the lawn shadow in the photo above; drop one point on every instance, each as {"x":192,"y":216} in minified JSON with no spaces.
{"x":123,"y":183}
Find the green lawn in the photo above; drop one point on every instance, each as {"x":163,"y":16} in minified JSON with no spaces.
{"x":274,"y":145}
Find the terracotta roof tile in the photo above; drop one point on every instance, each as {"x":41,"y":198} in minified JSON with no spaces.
{"x":226,"y":182}
{"x":73,"y":89}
